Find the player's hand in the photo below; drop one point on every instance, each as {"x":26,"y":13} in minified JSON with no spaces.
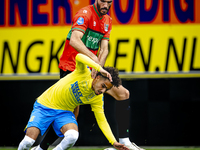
{"x":93,"y":73}
{"x":106,"y":74}
{"x":120,"y":146}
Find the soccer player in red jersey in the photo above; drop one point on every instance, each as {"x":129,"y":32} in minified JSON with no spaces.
{"x":89,"y":35}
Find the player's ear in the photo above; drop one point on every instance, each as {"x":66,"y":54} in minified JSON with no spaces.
{"x":98,"y":76}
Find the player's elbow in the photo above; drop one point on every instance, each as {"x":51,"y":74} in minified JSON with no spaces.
{"x":124,"y":95}
{"x":72,"y":42}
{"x":75,"y":39}
{"x":127,"y":94}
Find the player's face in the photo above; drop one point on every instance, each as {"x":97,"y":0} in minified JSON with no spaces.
{"x":103,"y":6}
{"x":101,"y":85}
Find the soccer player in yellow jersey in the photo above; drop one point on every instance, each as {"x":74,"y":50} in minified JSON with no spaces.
{"x":56,"y":105}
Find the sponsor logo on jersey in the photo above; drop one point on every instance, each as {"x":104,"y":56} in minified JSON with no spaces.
{"x":80,"y":21}
{"x":76,"y":92}
{"x":93,"y":39}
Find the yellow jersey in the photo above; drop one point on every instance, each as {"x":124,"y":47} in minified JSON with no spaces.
{"x":76,"y":89}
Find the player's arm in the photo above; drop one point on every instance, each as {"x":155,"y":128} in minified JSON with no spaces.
{"x":82,"y":61}
{"x":97,"y":108}
{"x":104,"y":45}
{"x":76,"y":43}
{"x":103,"y":53}
{"x":105,"y":128}
{"x":102,"y":56}
{"x":76,"y":111}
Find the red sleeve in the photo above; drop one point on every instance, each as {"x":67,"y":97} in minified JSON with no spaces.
{"x":81,"y":20}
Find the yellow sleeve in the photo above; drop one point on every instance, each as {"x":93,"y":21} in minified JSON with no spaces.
{"x":82,"y":61}
{"x":104,"y":126}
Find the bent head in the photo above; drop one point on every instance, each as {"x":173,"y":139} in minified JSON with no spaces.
{"x":103,"y":6}
{"x":101,"y":84}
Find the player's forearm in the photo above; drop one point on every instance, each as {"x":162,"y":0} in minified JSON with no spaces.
{"x":76,"y":112}
{"x":77,"y":44}
{"x":83,"y":59}
{"x":103,"y":53}
{"x":104,"y":126}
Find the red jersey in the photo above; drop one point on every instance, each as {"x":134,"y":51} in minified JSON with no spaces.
{"x":95,"y":28}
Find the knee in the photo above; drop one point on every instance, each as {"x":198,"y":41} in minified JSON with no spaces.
{"x":71,"y":136}
{"x":26,"y":143}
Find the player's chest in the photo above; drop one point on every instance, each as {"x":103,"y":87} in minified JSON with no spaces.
{"x":82,"y":93}
{"x":99,"y":25}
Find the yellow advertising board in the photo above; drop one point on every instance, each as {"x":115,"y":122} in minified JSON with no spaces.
{"x":31,"y":50}
{"x":155,"y":48}
{"x":149,"y":39}
{"x":137,"y":51}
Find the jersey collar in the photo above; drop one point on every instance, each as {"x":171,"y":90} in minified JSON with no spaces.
{"x":97,"y":12}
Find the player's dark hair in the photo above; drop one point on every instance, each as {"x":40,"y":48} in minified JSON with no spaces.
{"x":116,"y":81}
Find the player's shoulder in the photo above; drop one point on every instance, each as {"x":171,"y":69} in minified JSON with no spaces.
{"x":108,"y":18}
{"x":85,"y":11}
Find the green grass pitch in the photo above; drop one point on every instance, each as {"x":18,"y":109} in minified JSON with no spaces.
{"x":92,"y":148}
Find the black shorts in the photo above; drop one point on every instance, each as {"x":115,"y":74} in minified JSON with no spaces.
{"x":64,"y":73}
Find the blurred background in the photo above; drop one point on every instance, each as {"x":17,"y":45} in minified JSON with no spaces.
{"x":154,"y":43}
